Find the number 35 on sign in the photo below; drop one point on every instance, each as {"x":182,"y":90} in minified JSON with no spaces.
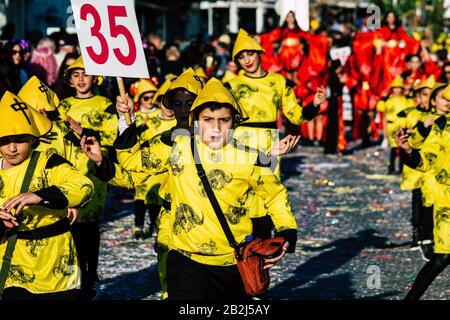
{"x":109,"y":38}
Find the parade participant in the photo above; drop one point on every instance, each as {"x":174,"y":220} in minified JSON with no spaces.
{"x":200,"y":251}
{"x":232,"y":71}
{"x":412,"y":179}
{"x":262,"y":95}
{"x":393,"y":105}
{"x":36,"y":189}
{"x":433,"y":155}
{"x":91,"y":115}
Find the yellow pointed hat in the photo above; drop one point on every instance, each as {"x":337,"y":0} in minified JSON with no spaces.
{"x":164,"y":87}
{"x":188,"y":81}
{"x":446,"y":93}
{"x":214,"y":92}
{"x":19,"y":118}
{"x":201,"y":73}
{"x":38,"y":95}
{"x":228,"y":76}
{"x":429,"y":83}
{"x":143,"y":86}
{"x":78,"y":64}
{"x":244,"y":42}
{"x":437,"y":86}
{"x":397,"y":83}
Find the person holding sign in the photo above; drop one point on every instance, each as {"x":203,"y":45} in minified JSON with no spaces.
{"x":87,"y":114}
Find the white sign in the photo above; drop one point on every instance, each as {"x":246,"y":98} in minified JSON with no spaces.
{"x":341,"y":54}
{"x":109,"y":38}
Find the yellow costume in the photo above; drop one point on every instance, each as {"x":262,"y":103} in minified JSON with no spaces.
{"x":48,"y":264}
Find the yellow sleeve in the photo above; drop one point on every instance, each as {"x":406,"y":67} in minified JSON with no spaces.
{"x":290,"y":107}
{"x":430,"y":151}
{"x":381,"y":106}
{"x":130,"y":159}
{"x":269,"y":187}
{"x":77,"y":188}
{"x":109,"y":127}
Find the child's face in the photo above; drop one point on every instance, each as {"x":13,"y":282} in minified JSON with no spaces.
{"x":442,"y":105}
{"x":81,"y":81}
{"x":166,"y":112}
{"x":215,"y":127}
{"x":397,"y":91}
{"x":146,"y":100}
{"x":249,"y":61}
{"x":424,"y":96}
{"x":15,"y":149}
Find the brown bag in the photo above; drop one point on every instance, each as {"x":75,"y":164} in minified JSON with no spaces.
{"x":250,"y":262}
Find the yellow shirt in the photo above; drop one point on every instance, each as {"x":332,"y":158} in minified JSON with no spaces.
{"x":98,"y":115}
{"x":50,"y":264}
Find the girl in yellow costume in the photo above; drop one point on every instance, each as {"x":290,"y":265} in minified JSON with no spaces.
{"x":262,"y":95}
{"x":87,"y":114}
{"x":44,"y":261}
{"x":434,"y":155}
{"x":393,"y":105}
{"x":411,"y":178}
{"x":201,"y":263}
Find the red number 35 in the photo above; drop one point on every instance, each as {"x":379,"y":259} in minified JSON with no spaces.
{"x":115,"y":29}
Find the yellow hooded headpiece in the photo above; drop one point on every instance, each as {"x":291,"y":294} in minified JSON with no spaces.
{"x":429,"y":83}
{"x":78,"y":64}
{"x":214,"y":92}
{"x":397,"y":83}
{"x":19,"y":118}
{"x":446,"y":93}
{"x":39,"y":96}
{"x":437,"y":86}
{"x":228,"y":76}
{"x":188,"y":81}
{"x":164,"y":87}
{"x":143,"y":86}
{"x":244,"y":42}
{"x":201,"y":73}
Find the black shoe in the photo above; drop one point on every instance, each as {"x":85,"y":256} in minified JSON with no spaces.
{"x":138,"y":233}
{"x":426,"y":249}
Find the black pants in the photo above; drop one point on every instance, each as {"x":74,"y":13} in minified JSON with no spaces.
{"x":422,"y":217}
{"x":16,"y":293}
{"x":139,"y":213}
{"x":190,"y":280}
{"x":87,"y":242}
{"x":429,"y":272}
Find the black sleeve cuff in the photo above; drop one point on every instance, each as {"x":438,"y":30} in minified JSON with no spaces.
{"x":264,"y":160}
{"x":141,"y":129}
{"x":424,"y":132}
{"x":73,"y":138}
{"x":127,"y":139}
{"x":2,"y":230}
{"x":90,"y":133}
{"x":52,"y":198}
{"x":106,"y":171}
{"x":411,"y":160}
{"x":310,"y":111}
{"x":291,"y":236}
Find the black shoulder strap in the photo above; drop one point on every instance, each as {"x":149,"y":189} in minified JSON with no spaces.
{"x":212,"y":198}
{"x":13,"y":238}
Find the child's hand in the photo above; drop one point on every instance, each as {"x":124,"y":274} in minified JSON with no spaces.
{"x":74,"y":126}
{"x":72,"y":215}
{"x":268,"y":263}
{"x":284,"y":146}
{"x":428,"y":121}
{"x":401,"y":139}
{"x":320,"y":97}
{"x":124,"y":106}
{"x":20,"y":201}
{"x":8,"y":219}
{"x":92,"y":149}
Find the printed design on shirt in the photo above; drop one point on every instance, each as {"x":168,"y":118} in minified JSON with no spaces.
{"x":185,"y":253}
{"x":150,"y":160}
{"x":442,"y":176}
{"x":261,"y":115}
{"x":39,"y":183}
{"x":431,"y":158}
{"x":244,"y":91}
{"x":88,"y":191}
{"x":442,"y":216}
{"x":17,"y":274}
{"x":50,"y":151}
{"x":207,"y":248}
{"x":35,"y":247}
{"x":214,"y":156}
{"x":276,"y":180}
{"x":2,"y":188}
{"x":218,"y":179}
{"x":186,"y":219}
{"x":260,"y":181}
{"x":64,"y":266}
{"x":234,"y":214}
{"x":155,"y":122}
{"x":176,"y":162}
{"x":168,"y":197}
{"x":63,"y":107}
{"x":276,"y":97}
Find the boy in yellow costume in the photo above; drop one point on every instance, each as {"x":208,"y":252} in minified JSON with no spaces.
{"x":434,"y":155}
{"x":201,"y":263}
{"x":262,"y":95}
{"x":35,"y":189}
{"x":91,"y":115}
{"x":411,"y":178}
{"x":393,"y":105}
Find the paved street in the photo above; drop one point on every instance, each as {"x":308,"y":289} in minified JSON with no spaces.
{"x":353,"y":233}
